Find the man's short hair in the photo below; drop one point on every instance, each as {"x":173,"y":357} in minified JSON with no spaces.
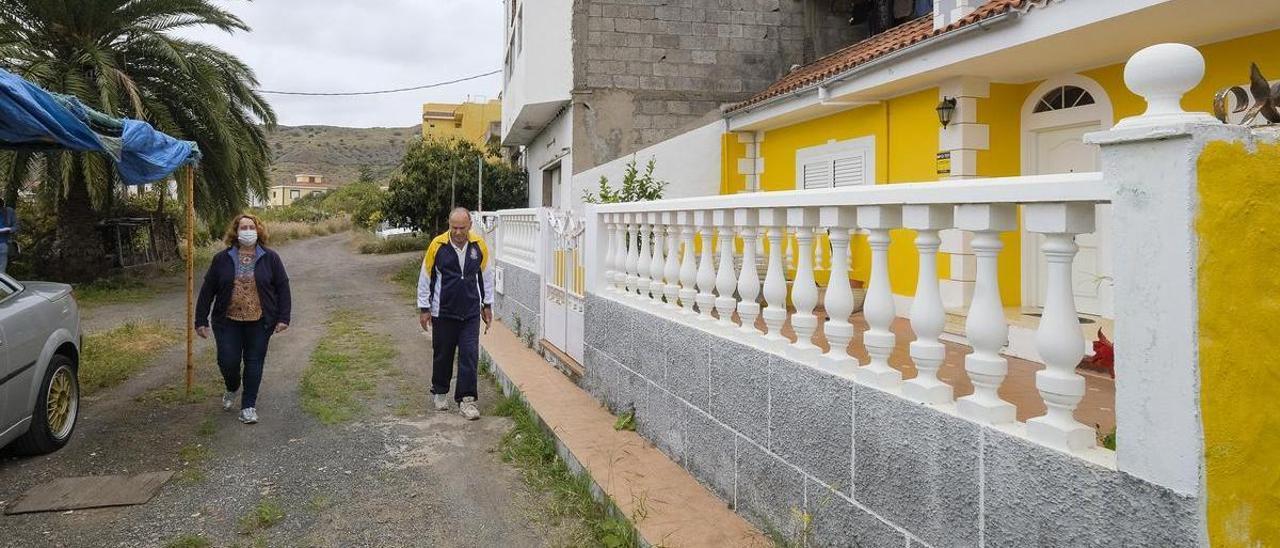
{"x":464,"y":211}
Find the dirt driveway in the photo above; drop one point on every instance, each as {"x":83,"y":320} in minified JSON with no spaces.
{"x":399,"y":475}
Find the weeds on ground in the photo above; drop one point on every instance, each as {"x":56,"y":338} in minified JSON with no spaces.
{"x":121,"y":288}
{"x":318,"y":503}
{"x":109,"y":357}
{"x":265,"y":515}
{"x":371,"y":244}
{"x":208,"y":427}
{"x":188,"y":541}
{"x":626,"y":421}
{"x":192,"y":458}
{"x":407,"y":277}
{"x":798,"y":536}
{"x":528,"y":447}
{"x":288,"y":230}
{"x":344,"y":367}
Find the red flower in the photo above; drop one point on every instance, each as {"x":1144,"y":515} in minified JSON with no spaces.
{"x":1104,"y":355}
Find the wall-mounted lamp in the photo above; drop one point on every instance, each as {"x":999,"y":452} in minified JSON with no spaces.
{"x":946,"y":108}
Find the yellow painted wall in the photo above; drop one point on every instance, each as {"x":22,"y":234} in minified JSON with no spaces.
{"x":731,"y":182}
{"x":470,"y":122}
{"x":1002,"y":112}
{"x":1239,"y":304}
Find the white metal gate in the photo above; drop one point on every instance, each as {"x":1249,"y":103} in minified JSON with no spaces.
{"x":563,"y":277}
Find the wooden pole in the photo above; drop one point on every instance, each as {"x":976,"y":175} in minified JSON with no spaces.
{"x":191,"y":276}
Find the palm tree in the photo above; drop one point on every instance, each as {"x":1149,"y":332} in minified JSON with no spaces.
{"x":122,"y":58}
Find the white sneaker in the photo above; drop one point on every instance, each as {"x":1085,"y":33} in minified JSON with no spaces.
{"x":468,"y":408}
{"x":441,"y":401}
{"x":249,"y":415}
{"x":228,"y":400}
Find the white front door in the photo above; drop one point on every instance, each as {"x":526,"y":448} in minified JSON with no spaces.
{"x":1062,"y":150}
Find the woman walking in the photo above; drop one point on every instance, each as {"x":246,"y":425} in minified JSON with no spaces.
{"x":248,"y":290}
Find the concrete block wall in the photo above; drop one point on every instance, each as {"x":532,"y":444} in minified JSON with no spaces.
{"x":521,"y":298}
{"x":645,"y":70}
{"x":776,"y":439}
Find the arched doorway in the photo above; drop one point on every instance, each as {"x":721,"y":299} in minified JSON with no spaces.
{"x":1055,"y":118}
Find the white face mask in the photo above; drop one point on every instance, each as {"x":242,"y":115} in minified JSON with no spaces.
{"x":248,"y":237}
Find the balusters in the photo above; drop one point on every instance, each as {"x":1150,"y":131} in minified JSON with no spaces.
{"x":986,"y":327}
{"x":927,"y":315}
{"x":656,"y":263}
{"x":610,"y":229}
{"x":726,"y":279}
{"x":1059,"y":338}
{"x":749,"y":280}
{"x":878,"y":308}
{"x":775,"y":283}
{"x":620,"y":253}
{"x":706,"y":272}
{"x":633,"y":253}
{"x":671,"y":270}
{"x":839,"y":298}
{"x":644,"y":259}
{"x":804,"y":291}
{"x":688,"y":271}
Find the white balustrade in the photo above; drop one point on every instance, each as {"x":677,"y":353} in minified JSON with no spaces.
{"x":749,"y":280}
{"x":633,"y":253}
{"x":726,"y":279}
{"x":671,"y":270}
{"x":611,"y":248}
{"x":518,"y":233}
{"x":706,"y":272}
{"x":986,"y":327}
{"x":928,"y":318}
{"x":644,"y":260}
{"x":839,"y":299}
{"x":1059,"y":339}
{"x":688,"y":270}
{"x":656,"y":263}
{"x":878,"y":308}
{"x":804,"y":290}
{"x":775,"y":283}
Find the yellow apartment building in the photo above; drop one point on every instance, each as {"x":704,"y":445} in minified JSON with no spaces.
{"x":478,"y":122}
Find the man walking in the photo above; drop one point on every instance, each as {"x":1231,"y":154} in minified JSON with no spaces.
{"x":455,"y":293}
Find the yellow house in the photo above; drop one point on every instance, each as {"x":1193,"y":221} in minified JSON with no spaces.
{"x":1003,"y":88}
{"x":477,"y":122}
{"x":304,"y":184}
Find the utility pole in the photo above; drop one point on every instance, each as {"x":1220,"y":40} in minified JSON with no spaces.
{"x":453,"y":187}
{"x":480,"y":183}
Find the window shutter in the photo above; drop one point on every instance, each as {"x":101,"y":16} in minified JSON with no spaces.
{"x":817,"y":174}
{"x":849,"y":171}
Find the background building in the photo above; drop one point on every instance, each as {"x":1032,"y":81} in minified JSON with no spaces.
{"x":304,"y":184}
{"x":475,"y":121}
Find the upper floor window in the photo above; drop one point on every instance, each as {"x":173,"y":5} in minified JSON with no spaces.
{"x":1062,"y":98}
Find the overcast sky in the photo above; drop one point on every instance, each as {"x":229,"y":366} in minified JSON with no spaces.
{"x":359,"y":45}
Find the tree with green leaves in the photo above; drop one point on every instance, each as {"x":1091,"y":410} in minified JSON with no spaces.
{"x":636,"y":187}
{"x":421,"y":194}
{"x":121,"y":57}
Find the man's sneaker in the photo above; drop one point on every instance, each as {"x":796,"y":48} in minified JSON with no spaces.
{"x":441,"y":401}
{"x":249,"y":415}
{"x":228,"y":400}
{"x":468,"y":408}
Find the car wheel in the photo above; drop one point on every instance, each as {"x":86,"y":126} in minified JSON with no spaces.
{"x":57,"y":408}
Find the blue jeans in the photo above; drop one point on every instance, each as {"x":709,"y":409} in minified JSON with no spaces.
{"x":447,"y":338}
{"x":4,"y":256}
{"x":242,"y":342}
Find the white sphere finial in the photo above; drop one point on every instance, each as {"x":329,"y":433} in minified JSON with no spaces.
{"x":1162,"y":74}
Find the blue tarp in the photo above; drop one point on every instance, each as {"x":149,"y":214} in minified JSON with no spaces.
{"x":34,"y":119}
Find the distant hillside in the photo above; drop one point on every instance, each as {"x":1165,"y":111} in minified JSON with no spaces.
{"x":337,"y":152}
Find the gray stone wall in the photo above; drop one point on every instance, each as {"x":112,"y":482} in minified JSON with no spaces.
{"x":647,"y":70}
{"x":775,"y":438}
{"x":520,"y":300}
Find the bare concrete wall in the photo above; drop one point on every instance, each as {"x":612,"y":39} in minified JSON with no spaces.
{"x":646,"y":70}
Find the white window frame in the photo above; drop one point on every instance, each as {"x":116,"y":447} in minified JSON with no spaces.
{"x":835,"y":150}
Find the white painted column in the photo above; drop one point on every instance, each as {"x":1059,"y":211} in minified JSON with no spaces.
{"x":986,"y":327}
{"x":657,"y":262}
{"x":706,"y":270}
{"x":619,"y":280}
{"x":644,"y":259}
{"x":927,"y":316}
{"x":839,"y":298}
{"x":749,"y":279}
{"x":688,"y":269}
{"x":671,"y":270}
{"x":1059,"y":338}
{"x":611,"y":229}
{"x":726,"y":278}
{"x":775,"y":282}
{"x":633,"y":252}
{"x":804,"y":290}
{"x":879,"y":339}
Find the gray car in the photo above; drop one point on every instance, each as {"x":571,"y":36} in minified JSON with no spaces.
{"x":39,"y":358}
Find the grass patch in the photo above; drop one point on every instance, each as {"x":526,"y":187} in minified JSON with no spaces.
{"x":626,"y":421}
{"x":284,"y":231}
{"x":110,"y":357}
{"x":265,"y":515}
{"x":395,"y":244}
{"x":207,"y":428}
{"x":344,"y":367}
{"x":530,"y":449}
{"x":120,"y":288}
{"x":188,"y":541}
{"x":208,"y":384}
{"x":192,"y":458}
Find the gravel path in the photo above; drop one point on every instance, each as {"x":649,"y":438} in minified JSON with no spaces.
{"x":425,"y":479}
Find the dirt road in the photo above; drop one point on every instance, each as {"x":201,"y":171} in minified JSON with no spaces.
{"x":400,"y":475}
